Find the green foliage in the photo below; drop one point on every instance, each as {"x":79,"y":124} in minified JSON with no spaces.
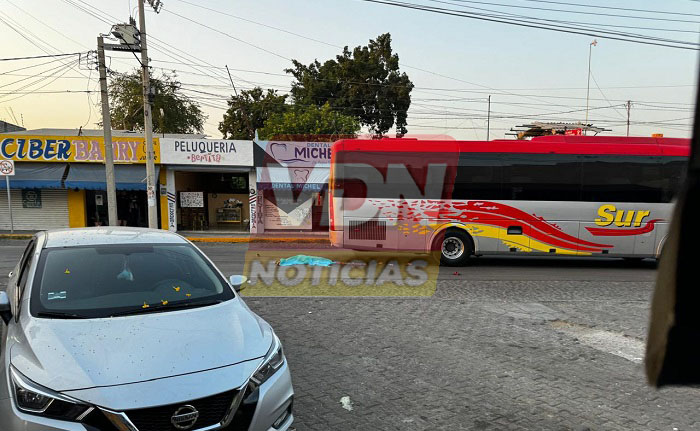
{"x":173,"y":112}
{"x":365,"y":83}
{"x":249,"y":111}
{"x":323,"y":123}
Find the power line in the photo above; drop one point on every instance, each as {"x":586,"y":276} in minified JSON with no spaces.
{"x":530,"y":24}
{"x":579,"y":12}
{"x":533,"y":97}
{"x":576,"y":25}
{"x":228,"y":35}
{"x":42,"y":56}
{"x":612,"y":7}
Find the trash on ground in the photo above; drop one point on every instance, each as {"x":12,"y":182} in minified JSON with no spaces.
{"x":302,"y":259}
{"x":346,"y":403}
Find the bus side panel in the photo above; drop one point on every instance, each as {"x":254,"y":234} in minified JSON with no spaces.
{"x":622,"y":245}
{"x":662,"y":229}
{"x":377,"y":233}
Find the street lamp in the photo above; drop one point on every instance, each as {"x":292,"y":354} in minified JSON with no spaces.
{"x":588,"y":85}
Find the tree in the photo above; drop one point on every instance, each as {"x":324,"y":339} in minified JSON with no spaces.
{"x":365,"y":83}
{"x":173,"y":112}
{"x":323,"y":123}
{"x":249,"y":110}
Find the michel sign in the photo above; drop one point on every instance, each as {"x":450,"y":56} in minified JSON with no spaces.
{"x":127,"y":149}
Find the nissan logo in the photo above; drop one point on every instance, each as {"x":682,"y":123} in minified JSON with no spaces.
{"x":185,"y":417}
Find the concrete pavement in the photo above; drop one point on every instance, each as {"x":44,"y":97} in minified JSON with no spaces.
{"x":504,"y":344}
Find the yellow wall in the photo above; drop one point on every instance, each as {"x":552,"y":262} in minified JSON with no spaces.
{"x":76,"y":208}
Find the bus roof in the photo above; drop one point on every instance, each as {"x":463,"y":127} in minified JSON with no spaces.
{"x":555,"y":144}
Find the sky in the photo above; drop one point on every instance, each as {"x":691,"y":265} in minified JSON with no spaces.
{"x":454,"y":62}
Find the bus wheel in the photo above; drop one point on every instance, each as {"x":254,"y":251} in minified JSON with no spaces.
{"x":456,"y":248}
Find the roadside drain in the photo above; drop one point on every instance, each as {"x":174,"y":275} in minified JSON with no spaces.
{"x":611,"y":342}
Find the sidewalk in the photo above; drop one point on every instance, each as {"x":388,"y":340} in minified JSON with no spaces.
{"x":235,"y":237}
{"x":222,"y":236}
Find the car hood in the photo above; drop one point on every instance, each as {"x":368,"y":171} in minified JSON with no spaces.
{"x":78,"y":354}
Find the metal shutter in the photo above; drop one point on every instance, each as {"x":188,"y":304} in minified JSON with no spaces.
{"x":52,"y":214}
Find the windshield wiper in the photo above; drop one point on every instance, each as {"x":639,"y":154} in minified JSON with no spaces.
{"x":167,"y":307}
{"x":60,"y":315}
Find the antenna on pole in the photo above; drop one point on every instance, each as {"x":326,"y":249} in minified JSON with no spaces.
{"x":231,"y":79}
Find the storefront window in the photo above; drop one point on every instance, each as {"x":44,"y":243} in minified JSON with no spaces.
{"x":217,"y":201}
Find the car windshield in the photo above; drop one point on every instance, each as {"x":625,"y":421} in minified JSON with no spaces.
{"x":104,"y":280}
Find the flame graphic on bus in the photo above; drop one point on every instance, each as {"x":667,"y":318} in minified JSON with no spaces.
{"x":492,"y":219}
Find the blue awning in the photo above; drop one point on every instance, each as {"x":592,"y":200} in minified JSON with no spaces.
{"x":36,"y":175}
{"x":88,"y":176}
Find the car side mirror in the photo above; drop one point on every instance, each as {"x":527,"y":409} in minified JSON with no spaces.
{"x":5,"y":309}
{"x":237,"y":281}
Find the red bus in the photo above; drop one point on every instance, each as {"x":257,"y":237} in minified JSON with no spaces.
{"x":553,"y":195}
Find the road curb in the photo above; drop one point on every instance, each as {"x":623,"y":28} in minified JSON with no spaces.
{"x":16,"y":236}
{"x":258,"y":240}
{"x":210,"y":239}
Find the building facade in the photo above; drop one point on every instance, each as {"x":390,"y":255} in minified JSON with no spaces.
{"x":210,"y":184}
{"x":204,"y":184}
{"x":292,"y":185}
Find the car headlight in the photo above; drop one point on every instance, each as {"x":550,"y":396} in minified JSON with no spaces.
{"x":273,"y":361}
{"x":34,"y":399}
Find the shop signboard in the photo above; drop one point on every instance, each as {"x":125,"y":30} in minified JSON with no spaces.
{"x":28,"y":148}
{"x":212,"y":152}
{"x":298,"y":153}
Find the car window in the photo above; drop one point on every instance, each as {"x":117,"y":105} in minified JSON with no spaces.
{"x":97,"y":281}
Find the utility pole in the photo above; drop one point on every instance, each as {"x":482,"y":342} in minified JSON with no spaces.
{"x":247,"y":118}
{"x":629,"y":106}
{"x":588,"y":85}
{"x":107,"y":129}
{"x":488,"y":120}
{"x":148,"y":122}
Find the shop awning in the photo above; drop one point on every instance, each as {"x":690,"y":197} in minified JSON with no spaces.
{"x":36,"y":175}
{"x":88,"y":176}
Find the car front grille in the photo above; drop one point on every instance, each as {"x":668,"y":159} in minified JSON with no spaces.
{"x":211,"y":411}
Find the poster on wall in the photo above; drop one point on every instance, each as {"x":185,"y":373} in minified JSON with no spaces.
{"x":297,"y":218}
{"x":192,"y":199}
{"x":31,"y":198}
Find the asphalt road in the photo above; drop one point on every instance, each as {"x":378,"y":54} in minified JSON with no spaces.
{"x":505,"y":343}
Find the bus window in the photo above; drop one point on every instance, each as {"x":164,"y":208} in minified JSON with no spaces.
{"x":543,"y":177}
{"x":478,"y":177}
{"x":674,"y":170}
{"x":612,"y":178}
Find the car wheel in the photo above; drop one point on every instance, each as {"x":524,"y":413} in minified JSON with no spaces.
{"x":456,"y":248}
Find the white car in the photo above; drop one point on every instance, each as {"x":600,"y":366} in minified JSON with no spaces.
{"x":124,"y":329}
